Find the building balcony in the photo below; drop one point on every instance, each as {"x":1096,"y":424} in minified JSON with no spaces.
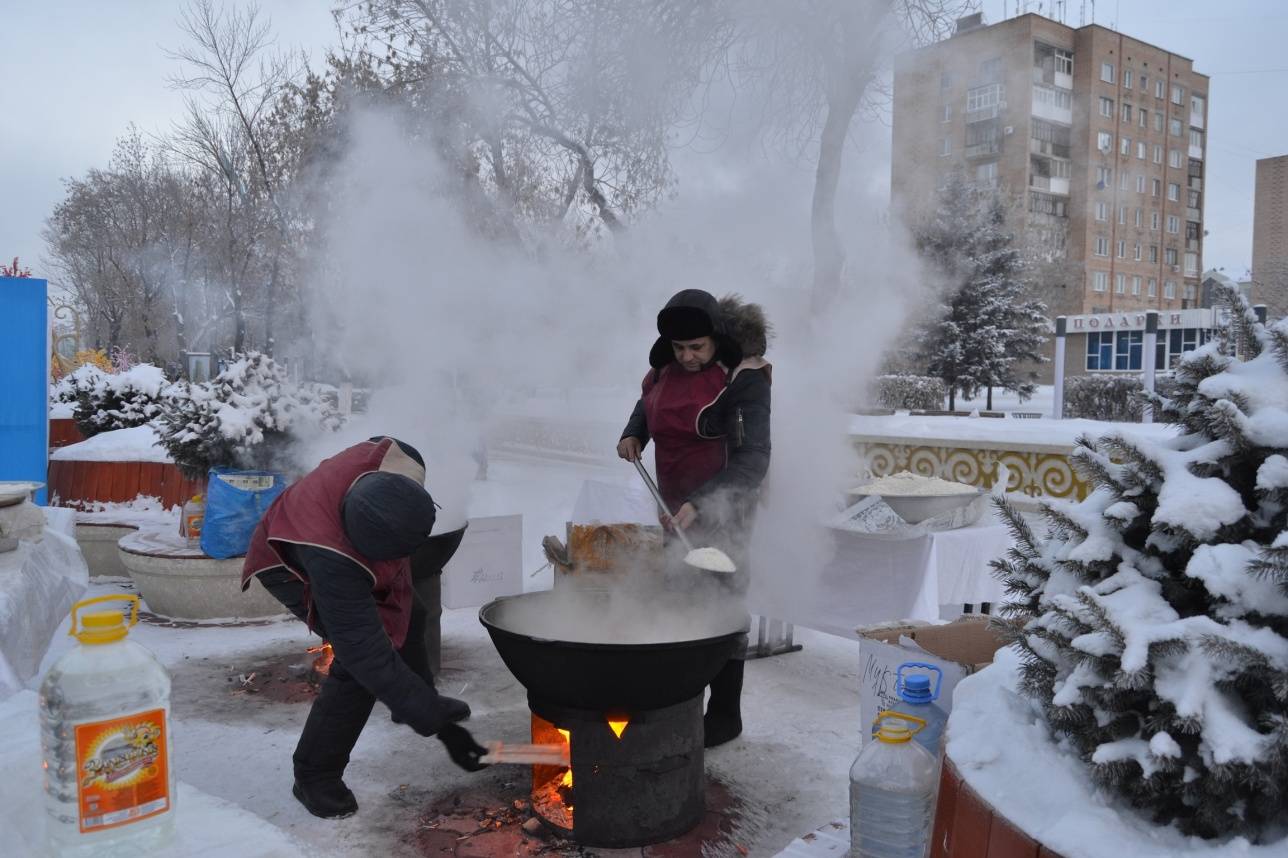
{"x":1196,"y":120}
{"x":1050,"y":184}
{"x":983,"y":114}
{"x":987,"y":149}
{"x":1196,"y":152}
{"x":1050,"y":150}
{"x":1193,"y":214}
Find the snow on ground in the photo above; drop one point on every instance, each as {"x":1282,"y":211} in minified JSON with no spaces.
{"x":143,"y":511}
{"x":139,"y":444}
{"x":1004,"y":400}
{"x":1006,"y":754}
{"x":789,"y":770}
{"x":997,"y":430}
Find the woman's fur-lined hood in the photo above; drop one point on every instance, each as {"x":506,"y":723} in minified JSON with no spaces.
{"x":740,"y":328}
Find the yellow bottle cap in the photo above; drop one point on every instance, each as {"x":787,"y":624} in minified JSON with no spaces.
{"x":103,"y":627}
{"x":895,"y":728}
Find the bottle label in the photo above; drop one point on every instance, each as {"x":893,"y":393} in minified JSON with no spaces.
{"x":193,"y":522}
{"x":122,"y":770}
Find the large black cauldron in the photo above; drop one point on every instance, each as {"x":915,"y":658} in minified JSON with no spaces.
{"x":605,"y":677}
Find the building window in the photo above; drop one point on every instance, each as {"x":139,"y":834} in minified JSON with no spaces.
{"x":1169,"y":256}
{"x":1122,"y":215}
{"x":1136,"y":255}
{"x":1197,"y":105}
{"x":1126,"y":113}
{"x":1115,"y":350}
{"x":1106,"y":107}
{"x":1100,"y":281}
{"x":1174,"y":127}
{"x":1135,"y":280}
{"x":1169,"y":289}
{"x":1144,"y":83}
{"x":1063,"y":62}
{"x":1160,"y":89}
{"x":947,"y":114}
{"x":1191,"y":268}
{"x":1107,"y":72}
{"x":1193,"y":199}
{"x":1102,"y":211}
{"x":1174,"y":158}
{"x":983,"y":97}
{"x":1178,"y":95}
{"x":1124,"y":146}
{"x":945,"y":81}
{"x":1153,"y":287}
{"x":991,"y":69}
{"x":1104,"y":177}
{"x":1144,"y":117}
{"x":1104,"y":141}
{"x":1191,"y":231}
{"x":1153,"y":256}
{"x":1173,"y":224}
{"x":1126,"y":78}
{"x":986,"y":173}
{"x":1047,"y":204}
{"x":1102,"y":246}
{"x":1158,"y":153}
{"x":1140,"y":186}
{"x":1122,"y":249}
{"x":946,"y":147}
{"x":1173,"y":192}
{"x":1155,"y":187}
{"x":1159,"y":119}
{"x":1120,"y":284}
{"x":1153,"y":222}
{"x":1124,"y":180}
{"x":1142,"y":151}
{"x":1196,"y":138}
{"x":1140,"y":219}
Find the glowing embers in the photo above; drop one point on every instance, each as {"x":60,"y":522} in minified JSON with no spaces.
{"x":618,"y":724}
{"x":552,"y":795}
{"x":322,"y":664}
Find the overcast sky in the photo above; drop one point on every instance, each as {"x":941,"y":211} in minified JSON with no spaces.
{"x":75,"y":73}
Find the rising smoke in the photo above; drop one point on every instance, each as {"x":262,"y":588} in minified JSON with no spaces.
{"x":457,"y":327}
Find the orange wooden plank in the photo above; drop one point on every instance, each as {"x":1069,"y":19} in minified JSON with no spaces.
{"x":150,"y":479}
{"x":945,"y":807}
{"x":126,"y":480}
{"x":1007,"y":841}
{"x":972,"y":821}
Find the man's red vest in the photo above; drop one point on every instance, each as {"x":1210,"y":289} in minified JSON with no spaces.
{"x":308,"y":513}
{"x":673,"y":401}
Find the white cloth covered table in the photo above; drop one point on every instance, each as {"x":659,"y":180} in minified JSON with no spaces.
{"x":39,"y":583}
{"x":873,"y":579}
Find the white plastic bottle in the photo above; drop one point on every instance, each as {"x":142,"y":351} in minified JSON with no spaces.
{"x":193,"y":520}
{"x":892,"y":792}
{"x":105,"y":737}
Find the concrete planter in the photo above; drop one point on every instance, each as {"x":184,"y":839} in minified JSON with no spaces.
{"x":183,"y":584}
{"x":98,"y":542}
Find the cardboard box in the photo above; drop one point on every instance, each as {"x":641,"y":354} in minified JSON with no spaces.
{"x":488,"y":564}
{"x":958,"y":649}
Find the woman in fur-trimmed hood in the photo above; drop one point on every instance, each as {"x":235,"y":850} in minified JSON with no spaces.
{"x":705,"y":404}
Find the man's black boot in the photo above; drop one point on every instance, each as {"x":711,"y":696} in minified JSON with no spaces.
{"x":723,"y":721}
{"x":329,"y":799}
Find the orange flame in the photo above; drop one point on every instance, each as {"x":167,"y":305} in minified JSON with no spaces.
{"x":618,"y":725}
{"x":322,"y":664}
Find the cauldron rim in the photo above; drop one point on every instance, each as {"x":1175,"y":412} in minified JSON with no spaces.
{"x":685,"y":643}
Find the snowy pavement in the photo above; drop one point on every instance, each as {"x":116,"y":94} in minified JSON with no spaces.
{"x":786,"y":775}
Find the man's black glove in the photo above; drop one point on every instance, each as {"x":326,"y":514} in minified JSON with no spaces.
{"x":462,"y":748}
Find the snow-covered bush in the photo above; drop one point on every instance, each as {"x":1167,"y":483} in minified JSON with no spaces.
{"x":1104,"y":397}
{"x":243,"y":417}
{"x":920,"y":392}
{"x":1153,"y":618}
{"x":102,"y":401}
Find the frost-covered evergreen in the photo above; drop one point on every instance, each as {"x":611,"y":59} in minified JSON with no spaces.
{"x":244,"y":417}
{"x":103,"y":401}
{"x":1153,"y":618}
{"x":989,"y":335}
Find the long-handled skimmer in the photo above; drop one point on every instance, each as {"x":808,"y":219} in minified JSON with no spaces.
{"x":708,"y":559}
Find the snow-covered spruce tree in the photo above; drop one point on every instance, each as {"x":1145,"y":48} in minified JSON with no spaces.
{"x":989,"y":334}
{"x":244,"y":417}
{"x":103,"y":401}
{"x":1153,"y":619}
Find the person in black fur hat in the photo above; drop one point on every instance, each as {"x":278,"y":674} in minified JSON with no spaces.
{"x":706,"y":406}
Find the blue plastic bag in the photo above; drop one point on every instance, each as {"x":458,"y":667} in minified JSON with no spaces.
{"x":235,"y":502}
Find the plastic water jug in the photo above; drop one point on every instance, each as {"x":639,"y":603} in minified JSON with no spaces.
{"x":105,"y":738}
{"x":192,"y":520}
{"x":892,"y":791}
{"x":918,"y":698}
